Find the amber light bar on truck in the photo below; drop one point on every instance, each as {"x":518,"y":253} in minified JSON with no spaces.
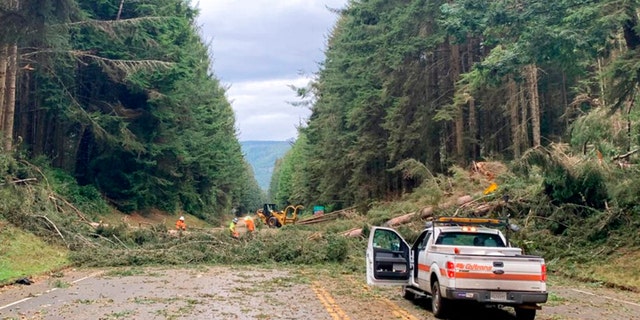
{"x":462,"y":221}
{"x":458,"y":221}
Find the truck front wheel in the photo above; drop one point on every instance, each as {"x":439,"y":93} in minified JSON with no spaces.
{"x":439,"y":305}
{"x":525,"y":313}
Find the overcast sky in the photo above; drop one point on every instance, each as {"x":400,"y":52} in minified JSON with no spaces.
{"x":260,"y":47}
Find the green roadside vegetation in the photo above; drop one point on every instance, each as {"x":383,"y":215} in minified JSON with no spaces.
{"x":620,"y":270}
{"x":602,"y":249}
{"x":22,"y":254}
{"x":57,"y":223}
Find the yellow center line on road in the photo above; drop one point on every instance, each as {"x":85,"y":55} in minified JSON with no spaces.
{"x":329,"y":303}
{"x":395,"y":309}
{"x":326,"y":304}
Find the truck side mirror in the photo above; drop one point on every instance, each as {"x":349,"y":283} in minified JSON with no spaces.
{"x":514,"y":227}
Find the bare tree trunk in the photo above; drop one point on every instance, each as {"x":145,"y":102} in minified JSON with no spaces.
{"x":24,"y":110}
{"x":473,"y":128}
{"x":629,"y":136}
{"x":40,"y":129}
{"x":10,"y":98}
{"x":524,"y":118}
{"x":440,"y":157}
{"x":120,"y":9}
{"x":459,"y":121}
{"x":473,"y":121}
{"x":565,"y":99}
{"x":4,"y":58}
{"x":58,"y":143}
{"x":512,"y":104}
{"x":531,"y":74}
{"x":602,"y":83}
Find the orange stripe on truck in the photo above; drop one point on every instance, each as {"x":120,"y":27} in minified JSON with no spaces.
{"x":491,"y":276}
{"x":424,"y":267}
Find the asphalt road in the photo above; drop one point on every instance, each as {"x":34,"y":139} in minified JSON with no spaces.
{"x":262,"y":293}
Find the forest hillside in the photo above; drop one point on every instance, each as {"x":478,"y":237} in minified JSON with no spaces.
{"x":413,"y":94}
{"x":262,"y":156}
{"x":119,"y":97}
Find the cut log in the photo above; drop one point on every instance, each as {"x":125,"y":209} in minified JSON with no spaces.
{"x":625,"y":156}
{"x":353,"y":233}
{"x":426,"y":212}
{"x":400,"y":220}
{"x":483,"y":209}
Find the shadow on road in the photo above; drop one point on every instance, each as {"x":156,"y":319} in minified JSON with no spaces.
{"x":463,"y":310}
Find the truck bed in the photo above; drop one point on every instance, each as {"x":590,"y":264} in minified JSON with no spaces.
{"x":495,"y":272}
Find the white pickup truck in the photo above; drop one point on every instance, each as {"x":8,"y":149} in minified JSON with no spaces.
{"x":459,"y":259}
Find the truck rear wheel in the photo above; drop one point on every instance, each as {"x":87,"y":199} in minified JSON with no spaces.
{"x":525,"y":313}
{"x":439,"y":305}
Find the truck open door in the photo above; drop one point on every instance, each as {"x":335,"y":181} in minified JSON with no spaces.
{"x":389,"y":259}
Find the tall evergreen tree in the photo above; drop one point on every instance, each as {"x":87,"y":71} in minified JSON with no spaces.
{"x":120,"y":94}
{"x":447,"y":82}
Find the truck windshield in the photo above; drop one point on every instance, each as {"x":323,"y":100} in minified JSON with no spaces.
{"x":470,"y":239}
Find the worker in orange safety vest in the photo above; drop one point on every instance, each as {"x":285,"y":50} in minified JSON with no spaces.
{"x":248,"y":222}
{"x":180,"y":224}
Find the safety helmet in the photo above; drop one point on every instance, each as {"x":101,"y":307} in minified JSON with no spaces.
{"x":235,"y":220}
{"x":182,"y":218}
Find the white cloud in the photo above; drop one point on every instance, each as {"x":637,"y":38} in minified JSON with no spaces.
{"x":261,"y":46}
{"x":262,"y":109}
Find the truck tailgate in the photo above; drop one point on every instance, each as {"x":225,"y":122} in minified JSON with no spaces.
{"x":521,"y":273}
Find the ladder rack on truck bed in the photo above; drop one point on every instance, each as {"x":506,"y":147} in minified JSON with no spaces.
{"x":459,"y":221}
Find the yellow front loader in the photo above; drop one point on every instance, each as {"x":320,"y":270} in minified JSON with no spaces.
{"x":276,"y":219}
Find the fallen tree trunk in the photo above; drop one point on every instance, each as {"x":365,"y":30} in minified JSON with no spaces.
{"x":625,"y":156}
{"x":327,"y":216}
{"x":425,"y":212}
{"x":484,"y":209}
{"x":353,"y":233}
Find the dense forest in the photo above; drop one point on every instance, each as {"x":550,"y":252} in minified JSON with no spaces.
{"x":120,"y":96}
{"x":410,"y":89}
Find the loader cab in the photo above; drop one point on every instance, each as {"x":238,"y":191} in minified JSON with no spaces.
{"x":269,"y":208}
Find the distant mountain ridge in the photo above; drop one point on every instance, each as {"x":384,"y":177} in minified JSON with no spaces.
{"x":262,"y":156}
